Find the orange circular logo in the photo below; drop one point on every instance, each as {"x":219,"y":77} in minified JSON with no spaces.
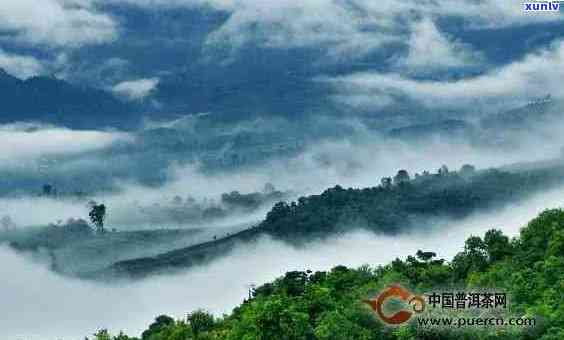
{"x":398,"y":292}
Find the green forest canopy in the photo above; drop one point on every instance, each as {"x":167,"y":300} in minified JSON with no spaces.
{"x":328,"y":305}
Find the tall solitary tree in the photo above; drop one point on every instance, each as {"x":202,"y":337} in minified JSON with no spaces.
{"x":386,"y":182}
{"x":443,"y":171}
{"x":401,"y":177}
{"x":467,"y":170}
{"x":97,"y":216}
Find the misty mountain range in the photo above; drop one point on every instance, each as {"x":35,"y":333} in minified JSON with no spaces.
{"x":215,"y":142}
{"x":54,"y":101}
{"x":396,"y":207}
{"x":168,"y":154}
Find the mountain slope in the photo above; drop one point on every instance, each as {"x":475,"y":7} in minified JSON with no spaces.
{"x":528,"y":271}
{"x":388,"y":209}
{"x":54,"y":101}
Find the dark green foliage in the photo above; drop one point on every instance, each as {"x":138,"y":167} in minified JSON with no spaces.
{"x":497,"y":245}
{"x":473,"y":258}
{"x":194,"y":211}
{"x":401,"y":177}
{"x":467,"y":170}
{"x":391,"y":207}
{"x":200,"y":322}
{"x":327,"y":305}
{"x":105,"y":335}
{"x":425,"y":256}
{"x":387,"y":208}
{"x":251,"y":201}
{"x":47,"y":190}
{"x":160,"y":323}
{"x":97,"y":216}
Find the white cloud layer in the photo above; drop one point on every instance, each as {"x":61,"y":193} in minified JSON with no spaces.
{"x":360,"y":161}
{"x":26,"y":142}
{"x":20,"y":66}
{"x":536,"y":75}
{"x":136,"y":89}
{"x":346,"y":28}
{"x":56,"y":23}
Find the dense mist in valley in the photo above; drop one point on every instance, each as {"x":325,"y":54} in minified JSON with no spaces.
{"x":33,"y":290}
{"x":120,"y":169}
{"x":205,"y":204}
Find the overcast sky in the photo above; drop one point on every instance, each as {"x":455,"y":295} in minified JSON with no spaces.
{"x":413,"y":48}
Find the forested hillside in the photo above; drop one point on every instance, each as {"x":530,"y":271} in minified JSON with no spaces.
{"x":391,"y":208}
{"x":328,"y":305}
{"x":394,"y":204}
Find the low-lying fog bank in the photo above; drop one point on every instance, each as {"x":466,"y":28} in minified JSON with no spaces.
{"x":40,"y":305}
{"x":349,"y":163}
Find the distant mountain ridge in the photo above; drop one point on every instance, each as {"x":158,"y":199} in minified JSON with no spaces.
{"x":388,"y":209}
{"x":541,"y":110}
{"x":231,"y":99}
{"x":533,"y":115}
{"x":449,"y":128}
{"x":55,"y":101}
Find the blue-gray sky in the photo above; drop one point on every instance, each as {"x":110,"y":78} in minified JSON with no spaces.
{"x":440,"y":53}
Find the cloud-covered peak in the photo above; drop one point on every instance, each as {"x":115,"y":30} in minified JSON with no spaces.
{"x":430,"y":49}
